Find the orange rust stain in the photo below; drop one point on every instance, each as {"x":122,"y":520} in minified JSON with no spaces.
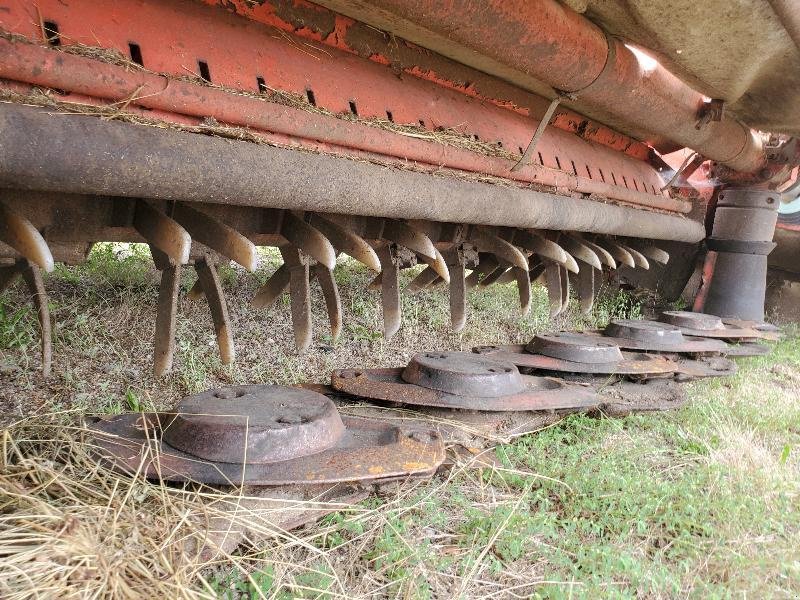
{"x":416,"y":466}
{"x":266,"y":13}
{"x":380,"y":59}
{"x":263,"y":13}
{"x":376,"y":470}
{"x":309,"y":34}
{"x":338,"y":36}
{"x":310,"y":5}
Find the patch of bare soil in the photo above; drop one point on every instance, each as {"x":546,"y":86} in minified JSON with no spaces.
{"x":104,"y":324}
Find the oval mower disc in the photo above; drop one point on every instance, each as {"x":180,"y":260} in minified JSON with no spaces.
{"x":569,"y":352}
{"x":652,"y":336}
{"x":461,"y":380}
{"x":263,"y":435}
{"x":709,"y":326}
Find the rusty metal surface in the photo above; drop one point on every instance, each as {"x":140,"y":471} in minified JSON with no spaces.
{"x":458,"y":373}
{"x":424,"y":279}
{"x":268,"y":294}
{"x":253,"y":424}
{"x":209,"y":281}
{"x":468,"y":428}
{"x":544,"y":248}
{"x":155,"y":163}
{"x":481,"y":429}
{"x":215,"y":234}
{"x":300,"y":295}
{"x":658,"y":337}
{"x":333,"y":301}
{"x":472,"y":429}
{"x":767,"y":330}
{"x":587,"y":289}
{"x":346,"y":241}
{"x":705,"y":325}
{"x":761,"y":326}
{"x":390,"y":289}
{"x":19,"y":233}
{"x":574,"y":347}
{"x":538,"y":393}
{"x":373,"y":89}
{"x":408,"y":60}
{"x":555,"y":46}
{"x":263,"y":226}
{"x":338,"y":55}
{"x":32,"y":277}
{"x":164,"y":337}
{"x":307,"y":239}
{"x":628,"y":364}
{"x":578,"y":248}
{"x":625,"y":397}
{"x":745,"y":349}
{"x":368,"y":450}
{"x":458,"y":258}
{"x":705,"y":366}
{"x":552,"y":274}
{"x":163,"y":233}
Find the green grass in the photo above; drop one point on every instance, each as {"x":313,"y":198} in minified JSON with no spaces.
{"x":17,"y":326}
{"x":703,"y":502}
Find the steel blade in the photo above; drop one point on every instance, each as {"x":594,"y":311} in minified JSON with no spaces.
{"x":207,"y":274}
{"x":164,"y":338}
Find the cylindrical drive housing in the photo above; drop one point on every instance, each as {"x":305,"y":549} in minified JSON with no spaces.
{"x":742,"y":237}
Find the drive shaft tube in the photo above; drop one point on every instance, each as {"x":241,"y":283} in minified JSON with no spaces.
{"x":744,"y":225}
{"x":535,"y":42}
{"x":86,"y":155}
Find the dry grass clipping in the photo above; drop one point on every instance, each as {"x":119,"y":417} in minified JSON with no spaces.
{"x":441,"y":135}
{"x":70,"y":528}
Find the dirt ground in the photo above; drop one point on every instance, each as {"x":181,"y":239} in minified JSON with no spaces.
{"x":103,"y":315}
{"x":700,"y":502}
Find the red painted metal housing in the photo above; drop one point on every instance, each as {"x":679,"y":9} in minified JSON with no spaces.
{"x":41,"y":66}
{"x":535,"y":42}
{"x":316,"y":23}
{"x":242,"y":54}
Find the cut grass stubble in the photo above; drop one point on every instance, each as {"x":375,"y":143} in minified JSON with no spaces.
{"x":701,"y":502}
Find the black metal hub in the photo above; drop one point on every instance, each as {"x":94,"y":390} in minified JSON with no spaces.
{"x":463,"y":374}
{"x":575,"y":347}
{"x":653,"y":336}
{"x":254,"y":424}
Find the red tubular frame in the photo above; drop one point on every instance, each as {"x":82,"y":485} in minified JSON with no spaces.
{"x":316,"y":23}
{"x":531,"y":42}
{"x":40,"y":66}
{"x":294,"y":69}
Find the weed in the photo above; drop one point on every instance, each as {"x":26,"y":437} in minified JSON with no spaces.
{"x":132,"y":401}
{"x":17,"y":326}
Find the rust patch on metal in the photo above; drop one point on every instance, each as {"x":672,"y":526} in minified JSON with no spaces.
{"x":389,"y":385}
{"x":316,"y":447}
{"x":630,"y":363}
{"x":711,"y":326}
